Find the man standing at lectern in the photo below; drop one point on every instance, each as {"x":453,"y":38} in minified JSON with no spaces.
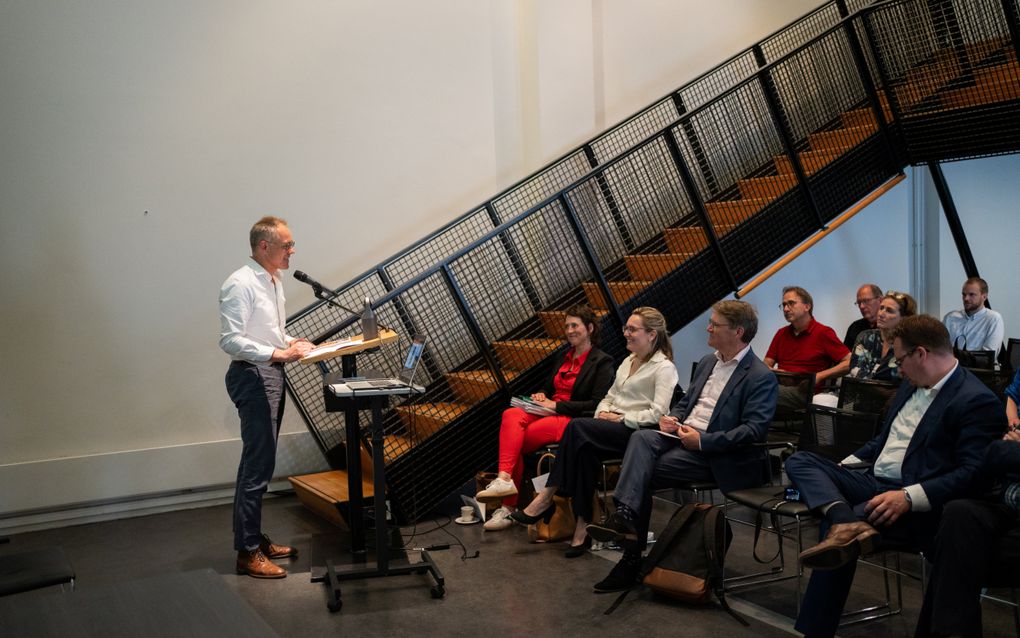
{"x":252,"y":318}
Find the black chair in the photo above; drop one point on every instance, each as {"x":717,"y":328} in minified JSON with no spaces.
{"x":829,"y":432}
{"x":1012,"y":353}
{"x":867,"y":395}
{"x":996,"y":380}
{"x":977,"y":359}
{"x":790,"y":420}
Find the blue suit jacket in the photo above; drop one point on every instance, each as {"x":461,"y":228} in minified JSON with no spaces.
{"x":946,"y":452}
{"x":741,"y":416}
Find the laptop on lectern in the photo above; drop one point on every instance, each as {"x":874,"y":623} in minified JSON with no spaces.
{"x":403,"y":380}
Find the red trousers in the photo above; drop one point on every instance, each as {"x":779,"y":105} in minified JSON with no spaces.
{"x":522,"y":433}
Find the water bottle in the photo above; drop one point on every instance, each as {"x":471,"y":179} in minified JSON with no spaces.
{"x":369,"y":330}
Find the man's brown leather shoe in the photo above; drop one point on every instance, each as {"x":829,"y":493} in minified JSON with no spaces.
{"x":274,"y":551}
{"x":256,"y":564}
{"x":845,"y":542}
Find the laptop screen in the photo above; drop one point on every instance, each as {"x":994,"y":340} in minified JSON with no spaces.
{"x":411,"y":361}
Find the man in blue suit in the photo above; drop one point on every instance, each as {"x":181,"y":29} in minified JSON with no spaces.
{"x":928,"y":452}
{"x":731,"y":402}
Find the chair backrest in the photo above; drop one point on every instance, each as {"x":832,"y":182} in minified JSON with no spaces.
{"x":836,"y":433}
{"x":678,"y":393}
{"x":1013,"y":353}
{"x":804,"y":383}
{"x":867,"y":395}
{"x":996,"y":380}
{"x":978,"y":359}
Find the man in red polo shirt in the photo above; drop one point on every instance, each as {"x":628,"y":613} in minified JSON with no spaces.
{"x":805,"y":345}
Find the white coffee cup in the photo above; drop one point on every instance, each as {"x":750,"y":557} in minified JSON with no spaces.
{"x":467,"y":513}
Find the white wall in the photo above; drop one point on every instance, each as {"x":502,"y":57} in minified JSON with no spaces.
{"x":987,"y":197}
{"x":141,"y":140}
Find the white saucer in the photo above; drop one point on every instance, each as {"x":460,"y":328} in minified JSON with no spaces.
{"x":467,"y":521}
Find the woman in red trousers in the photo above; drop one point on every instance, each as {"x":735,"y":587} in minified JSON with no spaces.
{"x":578,"y":382}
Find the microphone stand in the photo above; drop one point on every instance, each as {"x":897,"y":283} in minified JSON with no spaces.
{"x":332,"y":299}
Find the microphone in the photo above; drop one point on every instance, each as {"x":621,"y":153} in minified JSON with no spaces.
{"x":305,"y":279}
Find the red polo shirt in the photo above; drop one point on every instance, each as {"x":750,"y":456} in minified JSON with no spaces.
{"x":815,"y":349}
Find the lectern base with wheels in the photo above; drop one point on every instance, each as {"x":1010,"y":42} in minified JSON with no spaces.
{"x":388,"y":558}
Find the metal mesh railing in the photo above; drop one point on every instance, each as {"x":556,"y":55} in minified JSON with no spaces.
{"x":673,"y":207}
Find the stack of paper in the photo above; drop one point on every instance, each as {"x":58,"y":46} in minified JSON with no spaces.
{"x":529,"y":406}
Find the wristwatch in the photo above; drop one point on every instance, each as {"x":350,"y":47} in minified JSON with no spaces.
{"x":910,"y":501}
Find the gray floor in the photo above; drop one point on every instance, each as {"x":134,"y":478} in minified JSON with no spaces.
{"x":513,"y":588}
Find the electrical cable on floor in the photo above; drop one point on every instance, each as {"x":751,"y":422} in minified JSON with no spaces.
{"x":409,"y":538}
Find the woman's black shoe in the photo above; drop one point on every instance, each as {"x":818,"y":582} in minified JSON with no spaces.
{"x":574,"y":551}
{"x":525,"y":519}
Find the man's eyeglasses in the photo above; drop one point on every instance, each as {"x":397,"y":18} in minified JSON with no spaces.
{"x":789,"y":304}
{"x":864,"y":302}
{"x":899,"y":360}
{"x":715,"y":326}
{"x":286,"y":246}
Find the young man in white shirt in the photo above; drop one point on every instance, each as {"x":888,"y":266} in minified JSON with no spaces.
{"x":975,"y":327}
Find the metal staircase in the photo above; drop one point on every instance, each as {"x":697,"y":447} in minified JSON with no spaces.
{"x":674,"y":207}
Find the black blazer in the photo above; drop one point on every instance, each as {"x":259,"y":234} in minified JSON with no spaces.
{"x":593,"y":382}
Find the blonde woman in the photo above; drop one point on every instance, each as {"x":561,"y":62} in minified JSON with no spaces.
{"x":640,"y":395}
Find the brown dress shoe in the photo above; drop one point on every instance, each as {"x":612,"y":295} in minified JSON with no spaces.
{"x":256,"y":565}
{"x":845,"y":542}
{"x":274,"y":551}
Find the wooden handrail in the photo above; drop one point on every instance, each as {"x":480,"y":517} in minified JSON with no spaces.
{"x":814,"y":239}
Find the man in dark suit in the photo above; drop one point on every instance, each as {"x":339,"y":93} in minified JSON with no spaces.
{"x":989,"y":529}
{"x":928,"y":452}
{"x":731,"y":401}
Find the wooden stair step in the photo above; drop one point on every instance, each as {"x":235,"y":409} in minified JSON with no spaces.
{"x":472,"y":386}
{"x":735,"y":211}
{"x":553,"y":320}
{"x":323,"y":491}
{"x":395,"y":445}
{"x":654,"y":266}
{"x":722,"y":229}
{"x":992,"y":84}
{"x":839,"y":139}
{"x":521,"y":354}
{"x":864,"y":116}
{"x":769,"y":188}
{"x":621,"y":291}
{"x":812,"y":161}
{"x":422,"y":420}
{"x":684,"y":240}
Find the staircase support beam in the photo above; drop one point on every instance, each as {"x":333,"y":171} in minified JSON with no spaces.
{"x":953,"y":220}
{"x":473,"y":327}
{"x":699,"y":206}
{"x":696,"y":148}
{"x":593,"y":260}
{"x":785,"y":135}
{"x":1010,"y":9}
{"x":861,"y":62}
{"x":515,"y":261}
{"x":607,"y":194}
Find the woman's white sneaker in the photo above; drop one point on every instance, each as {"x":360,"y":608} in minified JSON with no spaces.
{"x":500,"y":520}
{"x":497,"y":489}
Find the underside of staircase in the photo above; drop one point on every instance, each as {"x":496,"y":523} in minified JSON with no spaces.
{"x":698,"y":204}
